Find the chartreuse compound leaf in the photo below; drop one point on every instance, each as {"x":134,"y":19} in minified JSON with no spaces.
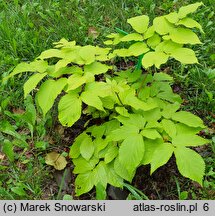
{"x":48,"y":92}
{"x":52,"y":73}
{"x":169,"y":110}
{"x":161,"y":156}
{"x":51,"y":53}
{"x":75,"y":81}
{"x":149,"y":32}
{"x":188,"y":119}
{"x":122,"y":111}
{"x":100,"y":192}
{"x":190,"y":23}
{"x":102,"y":54}
{"x":169,"y":96}
{"x":139,"y":23}
{"x":112,"y":177}
{"x":108,"y":42}
{"x":87,"y":53}
{"x":150,"y":134}
{"x":87,"y":148}
{"x":153,"y":124}
{"x":184,"y":36}
{"x":69,"y":109}
{"x":100,"y":174}
{"x":154,"y":41}
{"x":188,"y":140}
{"x":185,"y":129}
{"x":35,"y":66}
{"x":162,"y":26}
{"x":84,"y":182}
{"x":93,"y":92}
{"x":64,"y":43}
{"x":168,"y":47}
{"x":103,"y":152}
{"x":96,"y":68}
{"x":101,"y":147}
{"x":122,"y":52}
{"x":32,"y":82}
{"x":185,"y":10}
{"x":75,"y":148}
{"x":128,"y":97}
{"x":150,"y":147}
{"x":134,"y":120}
{"x":115,"y":38}
{"x":138,"y":48}
{"x":132,"y":37}
{"x":131,"y":152}
{"x":92,"y":100}
{"x":123,"y":132}
{"x":110,"y":126}
{"x":172,"y":17}
{"x":154,"y":58}
{"x":112,"y":152}
{"x":62,"y":63}
{"x":82,"y":165}
{"x":122,"y":171}
{"x":97,"y":131}
{"x":190,"y":164}
{"x":169,"y":127}
{"x":102,"y":89}
{"x":185,"y":56}
{"x":162,"y":77}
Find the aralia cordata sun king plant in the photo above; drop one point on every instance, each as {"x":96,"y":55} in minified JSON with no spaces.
{"x":143,"y":123}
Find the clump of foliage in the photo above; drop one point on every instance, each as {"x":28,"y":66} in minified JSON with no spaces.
{"x":141,"y":118}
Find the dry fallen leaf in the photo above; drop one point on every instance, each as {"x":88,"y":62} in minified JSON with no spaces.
{"x":49,"y":139}
{"x":54,"y":159}
{"x":2,"y":156}
{"x":18,"y":111}
{"x":92,"y":32}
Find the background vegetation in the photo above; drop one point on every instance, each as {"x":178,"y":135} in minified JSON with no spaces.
{"x":28,"y":27}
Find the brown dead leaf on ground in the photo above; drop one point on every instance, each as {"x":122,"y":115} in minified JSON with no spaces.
{"x":2,"y":156}
{"x":54,"y":159}
{"x":49,"y":139}
{"x":18,"y":111}
{"x":93,"y":32}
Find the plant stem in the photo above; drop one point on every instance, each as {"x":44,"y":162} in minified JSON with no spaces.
{"x":142,"y":84}
{"x":119,"y":99}
{"x":139,"y":63}
{"x":61,"y":184}
{"x":121,"y":31}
